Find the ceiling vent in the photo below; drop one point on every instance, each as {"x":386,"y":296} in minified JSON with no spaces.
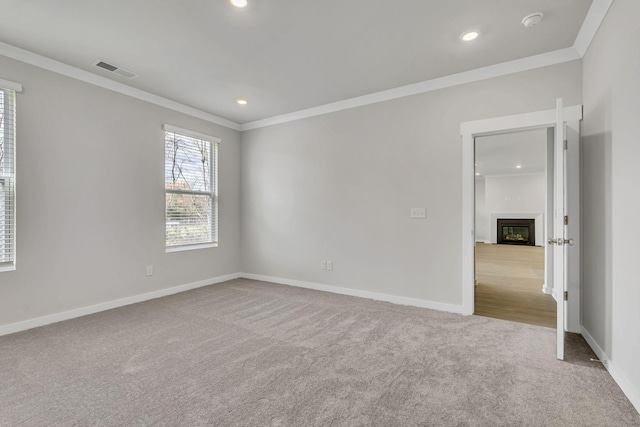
{"x":116,"y":70}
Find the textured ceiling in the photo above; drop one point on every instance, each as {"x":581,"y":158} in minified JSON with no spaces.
{"x":284,"y":55}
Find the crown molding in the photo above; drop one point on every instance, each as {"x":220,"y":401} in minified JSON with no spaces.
{"x":592,"y":21}
{"x":529,"y":63}
{"x":94,"y":79}
{"x":587,"y":32}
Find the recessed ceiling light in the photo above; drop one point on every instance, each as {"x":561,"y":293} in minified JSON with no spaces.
{"x":241,"y":101}
{"x":470,"y":35}
{"x":518,"y":166}
{"x":477,"y":173}
{"x":239,"y":3}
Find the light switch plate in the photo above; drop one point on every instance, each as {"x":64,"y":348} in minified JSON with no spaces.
{"x":418,"y":213}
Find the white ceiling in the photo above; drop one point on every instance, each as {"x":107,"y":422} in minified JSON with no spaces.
{"x":284,"y":55}
{"x":500,"y":154}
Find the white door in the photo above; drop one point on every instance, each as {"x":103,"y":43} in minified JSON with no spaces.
{"x":559,"y":241}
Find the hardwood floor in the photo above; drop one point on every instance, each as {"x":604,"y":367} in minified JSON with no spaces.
{"x":510,"y":280}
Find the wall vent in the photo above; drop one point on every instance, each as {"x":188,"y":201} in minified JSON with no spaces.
{"x":116,"y":70}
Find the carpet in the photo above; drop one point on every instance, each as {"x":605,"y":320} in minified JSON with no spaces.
{"x":249,"y":353}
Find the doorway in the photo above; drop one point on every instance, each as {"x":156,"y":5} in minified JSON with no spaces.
{"x":513,"y":204}
{"x":565,"y":122}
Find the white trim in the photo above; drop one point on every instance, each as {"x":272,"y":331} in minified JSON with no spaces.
{"x":592,"y":21}
{"x":10,"y":267}
{"x":518,"y":122}
{"x":524,"y":64}
{"x":358,"y":293}
{"x":627,"y":387}
{"x":468,"y":222}
{"x":76,"y":73}
{"x":595,"y":347}
{"x":6,"y":84}
{"x":79,"y":312}
{"x":547,"y":289}
{"x":84,"y":311}
{"x":468,"y":132}
{"x":170,"y":249}
{"x":192,"y":134}
{"x":590,"y":26}
{"x":588,"y":30}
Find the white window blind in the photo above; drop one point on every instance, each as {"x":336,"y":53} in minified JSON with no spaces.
{"x":7,"y":179}
{"x":191,"y":188}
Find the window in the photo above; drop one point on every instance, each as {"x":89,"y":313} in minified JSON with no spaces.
{"x":7,"y":180}
{"x":191,"y":189}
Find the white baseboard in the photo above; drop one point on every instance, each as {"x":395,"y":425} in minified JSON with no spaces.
{"x":604,"y":358}
{"x":631,"y":391}
{"x":83,"y":311}
{"x":358,"y":293}
{"x":547,"y":290}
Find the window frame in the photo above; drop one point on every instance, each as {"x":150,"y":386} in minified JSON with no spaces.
{"x":214,"y":143}
{"x":10,"y":90}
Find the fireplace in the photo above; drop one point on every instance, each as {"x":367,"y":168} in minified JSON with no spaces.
{"x":516,"y":231}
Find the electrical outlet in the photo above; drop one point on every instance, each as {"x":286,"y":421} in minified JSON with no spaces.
{"x":330,"y":265}
{"x":418,"y":213}
{"x":323,"y":265}
{"x":149,"y":270}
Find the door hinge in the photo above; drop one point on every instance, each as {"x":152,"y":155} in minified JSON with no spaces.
{"x":566,"y":220}
{"x":566,"y":144}
{"x":566,"y":295}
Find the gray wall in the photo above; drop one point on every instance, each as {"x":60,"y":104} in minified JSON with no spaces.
{"x":610,"y":183}
{"x":339,"y":186}
{"x":90,"y":198}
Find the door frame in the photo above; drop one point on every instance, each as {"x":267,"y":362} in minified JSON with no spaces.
{"x":515,"y":123}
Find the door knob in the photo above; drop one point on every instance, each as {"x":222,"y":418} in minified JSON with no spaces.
{"x":560,"y":241}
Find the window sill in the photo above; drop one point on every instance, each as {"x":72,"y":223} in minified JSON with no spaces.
{"x":190,"y":247}
{"x":11,"y":267}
